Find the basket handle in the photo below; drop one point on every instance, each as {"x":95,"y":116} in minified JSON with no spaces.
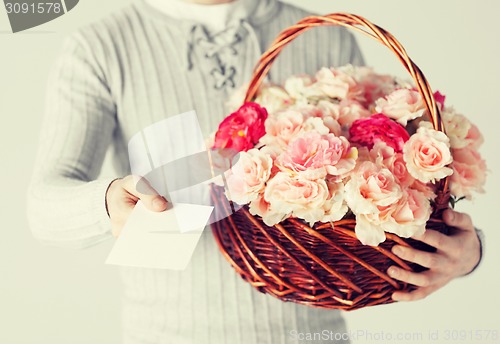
{"x":364,"y":26}
{"x":357,"y":23}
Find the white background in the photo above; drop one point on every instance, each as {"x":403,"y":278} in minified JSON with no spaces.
{"x":56,"y":296}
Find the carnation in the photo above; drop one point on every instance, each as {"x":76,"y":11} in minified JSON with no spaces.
{"x":348,"y":143}
{"x":378,"y":128}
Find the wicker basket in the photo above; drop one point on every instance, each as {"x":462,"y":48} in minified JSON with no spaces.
{"x":324,"y":266}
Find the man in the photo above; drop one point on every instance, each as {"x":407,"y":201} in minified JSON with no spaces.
{"x":156,"y":59}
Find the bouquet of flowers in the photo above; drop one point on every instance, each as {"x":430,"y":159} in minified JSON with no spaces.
{"x":348,"y":143}
{"x":332,"y":170}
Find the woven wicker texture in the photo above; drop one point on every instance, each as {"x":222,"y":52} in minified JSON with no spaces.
{"x":324,"y":266}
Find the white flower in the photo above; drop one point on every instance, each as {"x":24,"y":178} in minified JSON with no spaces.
{"x":402,"y":105}
{"x":273,"y":98}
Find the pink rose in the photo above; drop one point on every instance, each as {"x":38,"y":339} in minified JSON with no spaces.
{"x":242,"y":129}
{"x":474,"y":137}
{"x":296,"y":196}
{"x":374,"y":85}
{"x":248,"y":176}
{"x":406,"y":217}
{"x":460,"y":130}
{"x":469,"y":173}
{"x":402,"y":105}
{"x":322,"y":112}
{"x":371,"y":187}
{"x":287,"y":125}
{"x":314,"y":156}
{"x":282,"y":128}
{"x":378,"y":128}
{"x":409,"y":216}
{"x":385,"y":155}
{"x":427,"y":154}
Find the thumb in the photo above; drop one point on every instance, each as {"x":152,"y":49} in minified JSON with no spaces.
{"x":154,"y":202}
{"x":148,"y":195}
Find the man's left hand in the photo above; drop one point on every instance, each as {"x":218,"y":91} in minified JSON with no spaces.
{"x":456,"y":255}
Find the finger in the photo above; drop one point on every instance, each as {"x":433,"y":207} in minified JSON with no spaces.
{"x":418,"y":294}
{"x":435,"y":239}
{"x":148,"y":195}
{"x":420,"y":279}
{"x":425,"y":259}
{"x":460,"y":220}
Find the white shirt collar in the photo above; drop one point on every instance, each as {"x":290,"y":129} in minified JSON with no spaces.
{"x":214,"y":17}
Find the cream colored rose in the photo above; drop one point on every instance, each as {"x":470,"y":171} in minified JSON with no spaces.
{"x":301,"y":88}
{"x":427,"y":154}
{"x":248,"y":176}
{"x":371,"y":186}
{"x":406,"y":217}
{"x":296,"y":196}
{"x":460,"y":130}
{"x":335,"y":207}
{"x":274,"y":98}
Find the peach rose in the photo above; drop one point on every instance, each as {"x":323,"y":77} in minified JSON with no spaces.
{"x":460,"y":130}
{"x":469,"y":173}
{"x":314,"y":156}
{"x":283,"y":127}
{"x":402,"y":105}
{"x":371,"y":186}
{"x":406,"y":217}
{"x":427,"y":154}
{"x":262,"y":208}
{"x":409,"y":216}
{"x":297,"y":196}
{"x":248,"y":176}
{"x":337,"y":84}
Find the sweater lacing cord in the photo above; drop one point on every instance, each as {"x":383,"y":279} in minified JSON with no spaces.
{"x":217,"y":47}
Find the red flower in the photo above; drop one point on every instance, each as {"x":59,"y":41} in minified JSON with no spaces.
{"x":242,"y":129}
{"x":440,"y":98}
{"x":378,"y":127}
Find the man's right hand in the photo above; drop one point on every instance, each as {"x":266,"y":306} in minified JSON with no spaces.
{"x":122,"y":195}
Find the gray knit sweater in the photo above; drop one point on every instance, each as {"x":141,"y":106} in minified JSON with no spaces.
{"x":129,"y":71}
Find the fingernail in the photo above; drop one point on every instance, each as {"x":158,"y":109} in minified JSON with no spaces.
{"x":396,"y":250}
{"x":392,"y":271}
{"x":395,"y":297}
{"x":159,"y":203}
